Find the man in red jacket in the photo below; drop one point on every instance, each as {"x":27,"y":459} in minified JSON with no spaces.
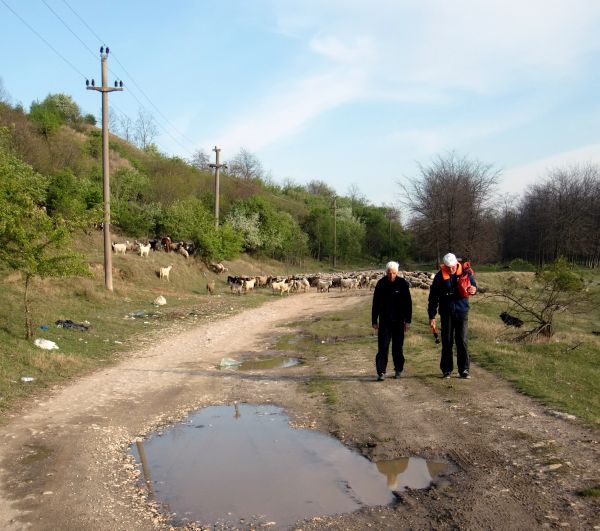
{"x":391,"y":315}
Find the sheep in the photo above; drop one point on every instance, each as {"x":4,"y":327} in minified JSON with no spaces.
{"x":236,"y":288}
{"x":144,"y":249}
{"x":164,"y":272}
{"x":183,"y":252}
{"x":281,"y":287}
{"x":372,"y":283}
{"x":210,"y":287}
{"x":303,"y":285}
{"x":323,"y":286}
{"x":119,"y":248}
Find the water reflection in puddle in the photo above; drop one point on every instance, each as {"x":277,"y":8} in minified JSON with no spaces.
{"x":269,"y":363}
{"x":226,"y":464}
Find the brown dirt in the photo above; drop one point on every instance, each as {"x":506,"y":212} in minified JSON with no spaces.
{"x":64,"y":464}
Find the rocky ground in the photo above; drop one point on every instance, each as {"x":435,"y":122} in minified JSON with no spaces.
{"x":517,"y":464}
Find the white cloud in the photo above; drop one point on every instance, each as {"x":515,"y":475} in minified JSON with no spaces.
{"x":516,"y":179}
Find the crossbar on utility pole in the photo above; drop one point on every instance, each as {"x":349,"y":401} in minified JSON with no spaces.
{"x":105,"y":89}
{"x":217,"y":166}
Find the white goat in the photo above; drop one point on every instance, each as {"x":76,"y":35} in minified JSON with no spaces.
{"x":164,"y":272}
{"x":144,"y":249}
{"x":119,"y":248}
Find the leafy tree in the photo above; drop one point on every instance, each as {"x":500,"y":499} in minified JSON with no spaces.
{"x":189,"y":220}
{"x":31,"y":242}
{"x":350,"y":234}
{"x":64,"y":106}
{"x":319,"y":228}
{"x":46,"y":119}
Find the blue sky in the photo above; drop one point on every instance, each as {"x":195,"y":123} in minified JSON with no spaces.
{"x":353,"y":93}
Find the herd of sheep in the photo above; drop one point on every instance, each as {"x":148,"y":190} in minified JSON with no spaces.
{"x":323,"y":282}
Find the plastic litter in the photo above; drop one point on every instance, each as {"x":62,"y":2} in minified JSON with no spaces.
{"x":44,"y":327}
{"x":138,"y":314}
{"x":46,"y":344}
{"x":67,"y":323}
{"x":27,"y":379}
{"x":229,"y":362}
{"x":160,"y":301}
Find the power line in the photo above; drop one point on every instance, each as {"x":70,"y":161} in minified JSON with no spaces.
{"x":94,"y":55}
{"x":43,"y":40}
{"x":132,"y":79}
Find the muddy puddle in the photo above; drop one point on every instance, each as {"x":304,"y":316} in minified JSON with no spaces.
{"x":243,"y":465}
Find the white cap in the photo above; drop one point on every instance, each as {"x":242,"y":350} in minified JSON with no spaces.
{"x":450,"y":260}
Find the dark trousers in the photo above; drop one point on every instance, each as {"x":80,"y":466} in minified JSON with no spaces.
{"x":454,"y":329}
{"x":387,"y":332}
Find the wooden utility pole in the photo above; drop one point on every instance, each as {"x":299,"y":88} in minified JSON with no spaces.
{"x":105,"y":89}
{"x":217,"y":168}
{"x":334,"y":232}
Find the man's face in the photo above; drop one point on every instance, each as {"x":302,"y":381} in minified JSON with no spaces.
{"x":392,"y":274}
{"x":453,"y":268}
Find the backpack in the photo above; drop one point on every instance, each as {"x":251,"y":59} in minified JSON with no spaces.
{"x":464,"y":282}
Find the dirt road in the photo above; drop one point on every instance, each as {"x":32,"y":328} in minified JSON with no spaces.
{"x":63,"y":462}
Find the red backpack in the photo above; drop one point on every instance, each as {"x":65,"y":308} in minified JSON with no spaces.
{"x":463,"y":280}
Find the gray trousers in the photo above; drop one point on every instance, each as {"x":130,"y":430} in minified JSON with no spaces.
{"x":455,"y":328}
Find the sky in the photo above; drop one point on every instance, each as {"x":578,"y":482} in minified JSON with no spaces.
{"x":356,"y":94}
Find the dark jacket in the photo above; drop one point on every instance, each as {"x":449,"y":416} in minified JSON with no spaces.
{"x":392,"y":302}
{"x":444,"y":297}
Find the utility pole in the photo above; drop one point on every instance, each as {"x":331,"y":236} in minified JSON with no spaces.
{"x":217,"y":168}
{"x":334,"y":232}
{"x":105,"y":89}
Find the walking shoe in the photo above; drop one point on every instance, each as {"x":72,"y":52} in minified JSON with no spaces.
{"x":397,"y":374}
{"x":446,"y":375}
{"x":380,"y":377}
{"x":465,"y":375}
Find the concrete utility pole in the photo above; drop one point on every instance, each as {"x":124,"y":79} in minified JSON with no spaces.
{"x":217,"y":168}
{"x":105,"y":89}
{"x":334,"y":232}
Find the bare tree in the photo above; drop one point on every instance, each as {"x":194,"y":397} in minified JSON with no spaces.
{"x":125,"y":128}
{"x":201,"y":160}
{"x":145,"y":129}
{"x":4,"y":94}
{"x":245,"y":165}
{"x":561,"y":217}
{"x":449,"y":201}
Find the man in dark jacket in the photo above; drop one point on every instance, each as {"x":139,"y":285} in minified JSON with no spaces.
{"x":391,"y":315}
{"x":453,"y":307}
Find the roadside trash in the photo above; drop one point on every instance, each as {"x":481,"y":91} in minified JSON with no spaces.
{"x":27,"y":379}
{"x":138,"y":314}
{"x":67,"y":323}
{"x":43,"y":327}
{"x":229,"y":362}
{"x":46,"y":344}
{"x":160,"y":301}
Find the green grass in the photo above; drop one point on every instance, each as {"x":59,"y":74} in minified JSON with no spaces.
{"x":563,"y":373}
{"x":113,"y":331}
{"x":321,"y":385}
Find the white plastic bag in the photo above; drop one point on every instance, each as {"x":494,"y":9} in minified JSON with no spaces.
{"x":46,"y":344}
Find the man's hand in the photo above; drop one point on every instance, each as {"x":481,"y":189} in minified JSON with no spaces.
{"x":472,"y":290}
{"x":432,"y":324}
{"x":375,"y":326}
{"x":406,"y":327}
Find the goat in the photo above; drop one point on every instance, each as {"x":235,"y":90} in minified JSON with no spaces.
{"x":119,"y":248}
{"x":210,"y":287}
{"x":183,"y":252}
{"x":144,"y":249}
{"x":236,"y":288}
{"x":248,"y":284}
{"x":164,"y":272}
